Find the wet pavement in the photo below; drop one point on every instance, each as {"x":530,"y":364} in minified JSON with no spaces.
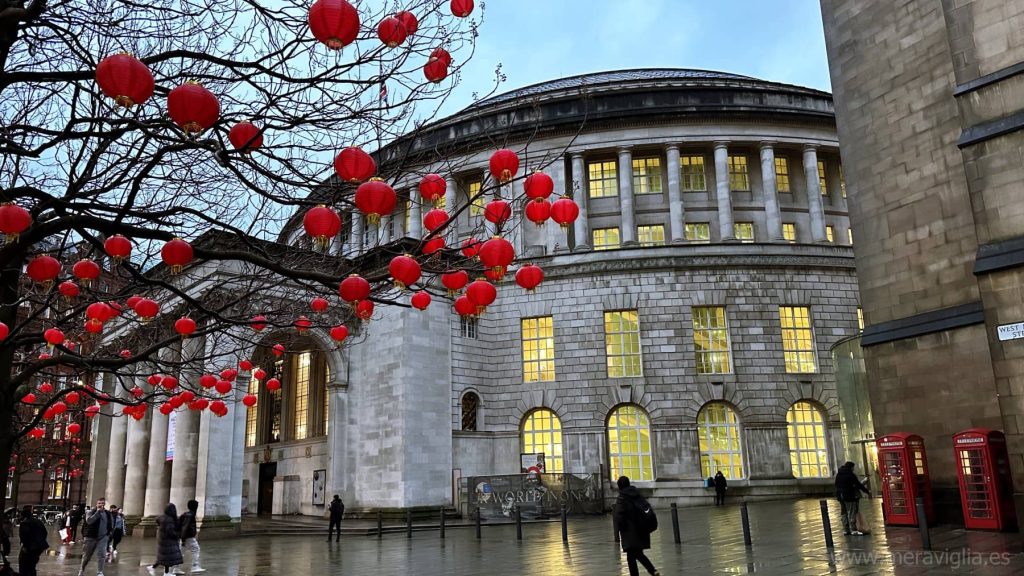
{"x":787,"y":538}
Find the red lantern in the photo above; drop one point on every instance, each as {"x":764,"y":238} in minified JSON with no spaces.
{"x":245,"y":365}
{"x":13,"y":221}
{"x":471,"y":247}
{"x":436,"y":68}
{"x":177,"y":254}
{"x":302,"y":324}
{"x":207,"y":380}
{"x":198,"y":404}
{"x":4,"y":331}
{"x":482,"y":294}
{"x":409,"y":21}
{"x":187,"y":396}
{"x":433,"y":245}
{"x":176,"y":402}
{"x":222,"y":386}
{"x":391,"y":31}
{"x":259,"y":374}
{"x":334,"y":23}
{"x":496,"y":254}
{"x":435,"y":219}
{"x":375,"y":199}
{"x":126,"y":354}
{"x":249,"y":400}
{"x":538,"y":185}
{"x":185,"y":326}
{"x":245,"y":136}
{"x":147,"y":309}
{"x":461,"y":8}
{"x":132,"y":301}
{"x":166,"y":409}
{"x":494,"y":275}
{"x":538,"y":211}
{"x":454,"y":281}
{"x":529,"y":277}
{"x":68,"y":289}
{"x":59,"y":407}
{"x":364,"y":309}
{"x":46,"y":387}
{"x":125,"y":79}
{"x":169,"y":382}
{"x":420,"y":300}
{"x":504,"y":165}
{"x":322,"y":223}
{"x":53,"y":337}
{"x":278,"y":350}
{"x":353,"y":165}
{"x":229,"y":374}
{"x":319,"y":305}
{"x":497,"y":211}
{"x":273,"y":384}
{"x":405,"y":270}
{"x":339,"y":333}
{"x":99,"y":311}
{"x":193,"y":107}
{"x":117,"y":247}
{"x":354,"y":288}
{"x":29,"y":398}
{"x":93,"y":326}
{"x":153,"y":380}
{"x":258,"y":323}
{"x":432,"y":188}
{"x":463,"y":307}
{"x":43,"y":269}
{"x":564,"y":211}
{"x":136,"y":392}
{"x":74,"y":428}
{"x":37,"y":433}
{"x":92,"y":411}
{"x":218,"y":407}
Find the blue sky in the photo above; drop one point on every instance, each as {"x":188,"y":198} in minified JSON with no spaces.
{"x":538,"y":40}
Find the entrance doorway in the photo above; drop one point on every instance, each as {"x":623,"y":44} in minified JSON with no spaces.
{"x":265,"y":504}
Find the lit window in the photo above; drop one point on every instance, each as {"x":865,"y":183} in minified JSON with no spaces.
{"x":797,"y":338}
{"x":629,"y":444}
{"x":739,"y":177}
{"x":476,"y":206}
{"x":860,"y":318}
{"x":327,"y":400}
{"x":822,"y":181}
{"x":251,"y":416}
{"x":718,"y":436}
{"x":647,"y":176}
{"x":849,"y":236}
{"x":781,"y":174}
{"x":622,"y":343}
{"x":538,"y":349}
{"x":651,"y":235}
{"x":273,"y":405}
{"x":808,"y":451}
{"x":542,"y":434}
{"x":57,"y":484}
{"x":789,"y":232}
{"x":602,"y":179}
{"x":692,"y":168}
{"x":605,"y":238}
{"x":467,"y":327}
{"x":842,"y":182}
{"x":699,"y":232}
{"x":300,"y":382}
{"x":744,"y":232}
{"x":470,"y":406}
{"x":10,"y":487}
{"x":830,"y":233}
{"x":711,"y":340}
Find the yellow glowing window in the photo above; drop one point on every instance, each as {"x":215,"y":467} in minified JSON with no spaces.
{"x":781,"y":174}
{"x":699,"y":232}
{"x":739,"y":176}
{"x":300,"y":416}
{"x":629,"y":444}
{"x":808,"y":451}
{"x":744,"y":232}
{"x":789,"y":232}
{"x":842,"y":183}
{"x":542,"y":434}
{"x":797,"y":339}
{"x":647,"y":176}
{"x":622,"y":343}
{"x":692,"y":169}
{"x":476,"y":206}
{"x":327,"y":400}
{"x":711,"y":340}
{"x":56,"y":484}
{"x":849,"y":236}
{"x":830,"y":233}
{"x":718,"y":437}
{"x":602,"y":179}
{"x":822,"y":181}
{"x":605,"y":238}
{"x":860,"y":318}
{"x":538,"y":349}
{"x":251,"y":416}
{"x":651,"y":235}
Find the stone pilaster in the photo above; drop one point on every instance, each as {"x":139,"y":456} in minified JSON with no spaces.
{"x":99,"y":463}
{"x":814,"y":203}
{"x":415,"y":215}
{"x":773,"y":216}
{"x":356,"y":236}
{"x":186,"y":429}
{"x":579,"y":194}
{"x":337,"y":442}
{"x":157,"y":475}
{"x":627,"y":230}
{"x":136,"y":471}
{"x":676,"y":210}
{"x":451,"y":204}
{"x":723,"y":192}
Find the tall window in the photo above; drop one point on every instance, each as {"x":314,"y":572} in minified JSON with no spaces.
{"x":605,"y":238}
{"x":789,"y":232}
{"x":651,"y":235}
{"x":822,"y":180}
{"x":629,"y":443}
{"x":842,"y":182}
{"x":300,"y":384}
{"x":647,"y":175}
{"x":252,"y":415}
{"x":622,"y":343}
{"x":711,"y":340}
{"x":407,"y":217}
{"x":739,"y":177}
{"x":860,"y":318}
{"x":692,"y":172}
{"x":797,"y":338}
{"x":467,"y":327}
{"x":602,"y":179}
{"x":830,"y":233}
{"x":781,"y":174}
{"x":542,"y":433}
{"x":56,"y":484}
{"x":849,"y":236}
{"x":538,"y":349}
{"x":470,"y":407}
{"x":275,"y":405}
{"x":808,"y":452}
{"x":325,"y":424}
{"x":10,"y":487}
{"x":744,"y":232}
{"x":476,"y":207}
{"x":718,"y":436}
{"x":699,"y":232}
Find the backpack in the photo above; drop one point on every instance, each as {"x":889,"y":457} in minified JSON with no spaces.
{"x":643,"y":516}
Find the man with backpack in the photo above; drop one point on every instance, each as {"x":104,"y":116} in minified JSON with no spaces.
{"x":635,"y":520}
{"x":99,"y":525}
{"x":189,"y":534}
{"x":337,"y":509}
{"x":848,"y":489}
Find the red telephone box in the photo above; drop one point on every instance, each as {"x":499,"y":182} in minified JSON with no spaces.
{"x":986,"y":486}
{"x":903,"y":466}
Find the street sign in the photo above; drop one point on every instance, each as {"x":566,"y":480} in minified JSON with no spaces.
{"x":1010,"y":331}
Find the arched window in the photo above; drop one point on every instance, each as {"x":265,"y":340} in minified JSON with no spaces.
{"x":470,"y":407}
{"x":718,"y":433}
{"x":542,"y":433}
{"x":629,"y":443}
{"x":808,"y":451}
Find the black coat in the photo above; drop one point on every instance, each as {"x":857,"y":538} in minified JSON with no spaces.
{"x":33,"y":535}
{"x":721,"y":483}
{"x":168,"y":538}
{"x":187,"y":524}
{"x":337,"y":510}
{"x":633,"y":537}
{"x":848,"y":486}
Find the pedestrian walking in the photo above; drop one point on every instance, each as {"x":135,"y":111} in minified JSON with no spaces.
{"x":115,"y":536}
{"x":189,"y":533}
{"x":97,"y":530}
{"x":337,"y":509}
{"x":635,"y":520}
{"x":721,"y":485}
{"x":77,"y":513}
{"x":848,"y":489}
{"x":32,"y":533}
{"x":168,"y":541}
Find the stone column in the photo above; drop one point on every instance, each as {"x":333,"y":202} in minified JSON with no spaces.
{"x":136,"y":471}
{"x":451,"y":203}
{"x":385,"y":229}
{"x":723,"y":192}
{"x":356,"y":237}
{"x":627,"y":231}
{"x":552,"y":234}
{"x":186,"y":429}
{"x":157,"y":489}
{"x":116,"y":455}
{"x":239,"y":413}
{"x":676,"y":211}
{"x":99,"y":463}
{"x":337,"y":442}
{"x":215,"y":479}
{"x":579,"y":193}
{"x":415,"y":215}
{"x":773,"y":218}
{"x":814,"y":204}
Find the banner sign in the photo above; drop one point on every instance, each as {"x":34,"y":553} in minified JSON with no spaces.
{"x":536,"y":495}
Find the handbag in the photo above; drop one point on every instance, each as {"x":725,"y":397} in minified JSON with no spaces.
{"x":63,"y":533}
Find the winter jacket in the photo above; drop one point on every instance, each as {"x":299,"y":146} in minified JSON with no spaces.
{"x":721,"y":483}
{"x":168,"y":536}
{"x":187,"y":522}
{"x":337,"y":510}
{"x":98,"y":524}
{"x":848,"y":486}
{"x":626,"y":508}
{"x":33,"y":535}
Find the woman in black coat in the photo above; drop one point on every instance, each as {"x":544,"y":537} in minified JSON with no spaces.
{"x":168,"y":538}
{"x":633,"y":536}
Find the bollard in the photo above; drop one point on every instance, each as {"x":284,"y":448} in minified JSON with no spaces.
{"x":380,"y":524}
{"x":675,"y":524}
{"x":442,"y":522}
{"x":826,"y":524}
{"x":615,"y":528}
{"x":478,"y":535}
{"x":746,"y":524}
{"x":519,"y":523}
{"x":408,"y":523}
{"x":565,"y":524}
{"x":922,"y":524}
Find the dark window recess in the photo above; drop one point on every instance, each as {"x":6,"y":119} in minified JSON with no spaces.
{"x":470,"y":406}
